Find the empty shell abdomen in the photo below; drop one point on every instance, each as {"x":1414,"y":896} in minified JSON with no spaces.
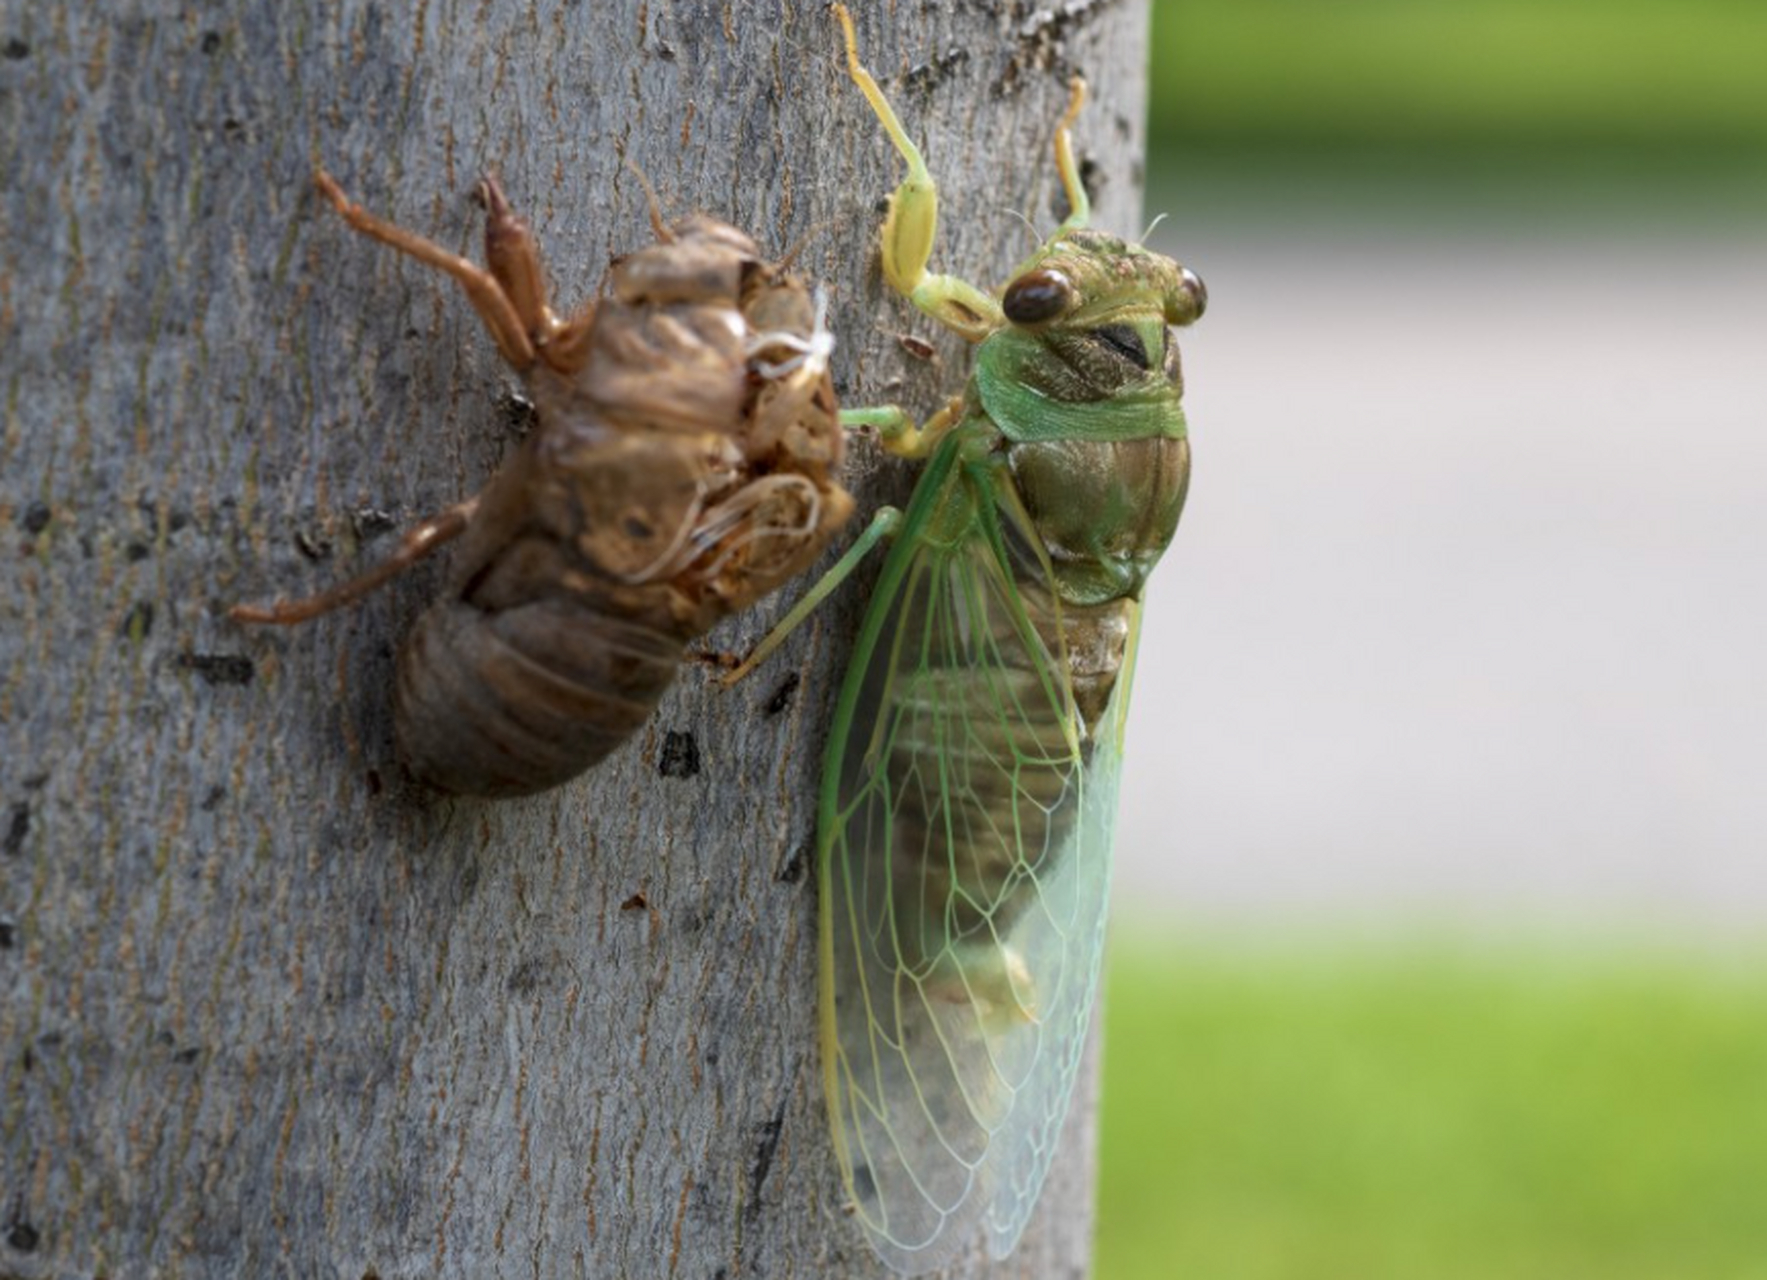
{"x":513,"y":702}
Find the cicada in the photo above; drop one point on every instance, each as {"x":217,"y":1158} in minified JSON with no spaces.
{"x":970,"y":783}
{"x":682,"y":466}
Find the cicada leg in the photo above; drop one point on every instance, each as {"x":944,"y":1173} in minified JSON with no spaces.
{"x":897,"y":431}
{"x":1079,"y":203}
{"x":418,"y":543}
{"x":883,"y":525}
{"x":912,"y":222}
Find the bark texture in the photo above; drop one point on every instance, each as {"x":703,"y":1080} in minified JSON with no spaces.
{"x":267,"y":1007}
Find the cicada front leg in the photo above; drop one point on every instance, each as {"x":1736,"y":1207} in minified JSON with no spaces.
{"x":912,"y":222}
{"x":897,"y":431}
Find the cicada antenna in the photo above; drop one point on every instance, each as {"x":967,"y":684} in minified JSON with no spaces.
{"x":1036,"y":236}
{"x":1157,"y":219}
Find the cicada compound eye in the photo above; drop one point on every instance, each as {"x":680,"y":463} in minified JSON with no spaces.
{"x":1189,"y":300}
{"x":1036,"y":296}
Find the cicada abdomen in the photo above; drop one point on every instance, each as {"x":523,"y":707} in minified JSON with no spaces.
{"x":682,"y":467}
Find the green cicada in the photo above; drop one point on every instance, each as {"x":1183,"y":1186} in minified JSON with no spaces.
{"x":970,"y":786}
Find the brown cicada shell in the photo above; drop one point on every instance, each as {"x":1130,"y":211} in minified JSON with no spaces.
{"x":682,"y":467}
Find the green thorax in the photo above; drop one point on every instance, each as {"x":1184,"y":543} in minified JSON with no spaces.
{"x":1032,"y":393}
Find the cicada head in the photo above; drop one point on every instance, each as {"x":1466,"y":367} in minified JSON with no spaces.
{"x":1103,"y":309}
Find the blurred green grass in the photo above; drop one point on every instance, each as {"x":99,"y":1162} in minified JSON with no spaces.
{"x":1507,"y":114}
{"x":1663,"y":74}
{"x":1407,"y":1113}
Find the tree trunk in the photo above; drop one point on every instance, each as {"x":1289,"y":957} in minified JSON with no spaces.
{"x":266,"y":1006}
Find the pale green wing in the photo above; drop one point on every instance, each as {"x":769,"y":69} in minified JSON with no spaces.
{"x":965,"y":852}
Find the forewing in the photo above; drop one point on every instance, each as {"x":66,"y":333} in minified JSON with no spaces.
{"x":965,"y":849}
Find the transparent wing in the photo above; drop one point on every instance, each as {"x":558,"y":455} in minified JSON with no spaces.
{"x":965,"y":853}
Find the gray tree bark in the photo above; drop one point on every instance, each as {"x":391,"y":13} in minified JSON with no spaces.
{"x":266,"y":1007}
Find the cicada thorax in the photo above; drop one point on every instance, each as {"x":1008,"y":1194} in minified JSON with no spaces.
{"x":682,"y":468}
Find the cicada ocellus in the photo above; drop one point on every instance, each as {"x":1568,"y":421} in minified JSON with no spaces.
{"x":682,"y":467}
{"x":970,"y":782}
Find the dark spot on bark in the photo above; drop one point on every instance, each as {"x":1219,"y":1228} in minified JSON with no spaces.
{"x":36,"y":782}
{"x":17,"y":49}
{"x":27,"y":1060}
{"x":680,"y":757}
{"x":519,"y":413}
{"x":212,"y":800}
{"x":665,"y":51}
{"x":232,"y":129}
{"x":211,"y":42}
{"x":185,"y":1057}
{"x":793,"y":870}
{"x":36,"y":518}
{"x":637,"y":902}
{"x":375,"y":785}
{"x":371,"y":522}
{"x":924,"y":77}
{"x":469,"y":879}
{"x":18,"y":826}
{"x":311,"y":545}
{"x":525,"y":977}
{"x":177,"y":520}
{"x":8,"y":933}
{"x":781,"y":698}
{"x":22,"y":1236}
{"x":765,"y":1149}
{"x":137,"y":622}
{"x":219,"y":668}
{"x":711,"y":1057}
{"x":136,"y":552}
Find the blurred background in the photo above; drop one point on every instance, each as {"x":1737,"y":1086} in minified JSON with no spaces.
{"x":1437,"y":946}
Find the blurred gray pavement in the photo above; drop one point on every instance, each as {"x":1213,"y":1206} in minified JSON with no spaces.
{"x":1467,"y":619}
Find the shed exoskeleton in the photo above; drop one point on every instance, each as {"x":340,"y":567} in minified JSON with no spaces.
{"x":683,"y":465}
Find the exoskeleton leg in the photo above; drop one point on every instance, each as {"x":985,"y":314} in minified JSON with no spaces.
{"x":418,"y":543}
{"x":496,"y":308}
{"x":912,"y":223}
